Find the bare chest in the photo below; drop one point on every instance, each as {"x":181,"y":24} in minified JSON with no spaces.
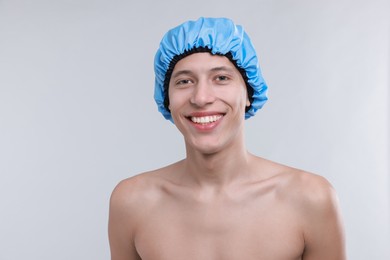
{"x":217,"y":231}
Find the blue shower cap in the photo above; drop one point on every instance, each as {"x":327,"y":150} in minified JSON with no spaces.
{"x":219,"y":36}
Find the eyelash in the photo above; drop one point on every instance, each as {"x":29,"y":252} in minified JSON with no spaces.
{"x":222,"y":78}
{"x":183,"y":82}
{"x":219,"y":78}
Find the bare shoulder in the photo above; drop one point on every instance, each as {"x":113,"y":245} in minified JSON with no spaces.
{"x":143,"y":191}
{"x":139,"y":190}
{"x":299,"y":186}
{"x":308,"y":188}
{"x":130,"y":202}
{"x":317,"y":199}
{"x":129,"y":189}
{"x":127,"y":198}
{"x":316,"y":203}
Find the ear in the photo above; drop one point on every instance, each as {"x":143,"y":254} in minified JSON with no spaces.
{"x":248,"y":103}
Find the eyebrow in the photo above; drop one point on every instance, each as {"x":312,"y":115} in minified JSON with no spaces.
{"x":215,"y":69}
{"x":222,"y":68}
{"x":181,"y":72}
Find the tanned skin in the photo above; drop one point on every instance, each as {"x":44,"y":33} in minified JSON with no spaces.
{"x":221,"y":202}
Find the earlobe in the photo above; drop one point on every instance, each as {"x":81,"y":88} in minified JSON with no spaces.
{"x":248,"y":103}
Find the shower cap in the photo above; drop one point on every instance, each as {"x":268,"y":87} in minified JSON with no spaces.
{"x":217,"y":36}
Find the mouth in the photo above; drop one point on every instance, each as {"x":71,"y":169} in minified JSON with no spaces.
{"x":205,"y":119}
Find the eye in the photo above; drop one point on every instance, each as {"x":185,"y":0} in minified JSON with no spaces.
{"x":222,"y":79}
{"x":182,"y":82}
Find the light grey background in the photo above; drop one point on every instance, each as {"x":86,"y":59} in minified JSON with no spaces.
{"x":77,"y":114}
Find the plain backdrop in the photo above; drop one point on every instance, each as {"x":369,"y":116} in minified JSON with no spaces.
{"x":77,"y":113}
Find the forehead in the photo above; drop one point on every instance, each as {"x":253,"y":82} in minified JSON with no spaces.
{"x":204,"y":61}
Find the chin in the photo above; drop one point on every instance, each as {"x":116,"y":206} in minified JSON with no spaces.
{"x":205,"y":146}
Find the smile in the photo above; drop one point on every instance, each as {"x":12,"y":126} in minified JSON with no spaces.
{"x":205,"y":119}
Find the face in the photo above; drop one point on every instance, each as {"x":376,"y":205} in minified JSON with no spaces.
{"x":207,"y":101}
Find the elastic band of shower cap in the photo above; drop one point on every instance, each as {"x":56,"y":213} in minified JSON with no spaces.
{"x":218,"y":36}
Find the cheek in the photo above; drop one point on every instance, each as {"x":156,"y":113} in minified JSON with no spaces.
{"x":172,"y":99}
{"x":176,"y":99}
{"x":240,"y":94}
{"x":245,"y":97}
{"x":242,"y":98}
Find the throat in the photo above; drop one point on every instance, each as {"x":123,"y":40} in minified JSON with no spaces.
{"x":216,"y":169}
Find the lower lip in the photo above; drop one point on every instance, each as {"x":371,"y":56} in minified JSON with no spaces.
{"x":206,"y":127}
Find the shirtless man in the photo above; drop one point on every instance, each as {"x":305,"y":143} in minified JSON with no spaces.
{"x":221,"y":202}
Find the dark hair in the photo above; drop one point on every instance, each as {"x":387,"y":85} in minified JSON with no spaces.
{"x":178,"y":57}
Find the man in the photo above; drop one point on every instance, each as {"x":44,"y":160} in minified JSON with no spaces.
{"x":220,"y":202}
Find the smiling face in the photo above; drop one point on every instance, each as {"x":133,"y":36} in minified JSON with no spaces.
{"x":207,"y":101}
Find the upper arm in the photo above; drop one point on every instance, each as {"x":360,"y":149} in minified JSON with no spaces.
{"x":122,"y":223}
{"x":323,"y":229}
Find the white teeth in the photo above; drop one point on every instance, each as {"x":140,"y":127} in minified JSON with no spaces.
{"x":205,"y":119}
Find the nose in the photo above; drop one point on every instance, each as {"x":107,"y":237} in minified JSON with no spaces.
{"x":203,"y":94}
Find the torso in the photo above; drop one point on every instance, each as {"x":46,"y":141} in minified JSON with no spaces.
{"x":261,"y":219}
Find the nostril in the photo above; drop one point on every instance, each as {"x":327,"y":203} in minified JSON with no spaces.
{"x":202,"y":96}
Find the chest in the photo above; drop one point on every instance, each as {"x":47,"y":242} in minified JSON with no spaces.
{"x":220,"y":231}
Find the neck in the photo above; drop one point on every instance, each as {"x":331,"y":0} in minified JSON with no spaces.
{"x":217,"y":169}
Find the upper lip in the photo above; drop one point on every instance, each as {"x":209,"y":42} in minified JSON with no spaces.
{"x":204,"y":113}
